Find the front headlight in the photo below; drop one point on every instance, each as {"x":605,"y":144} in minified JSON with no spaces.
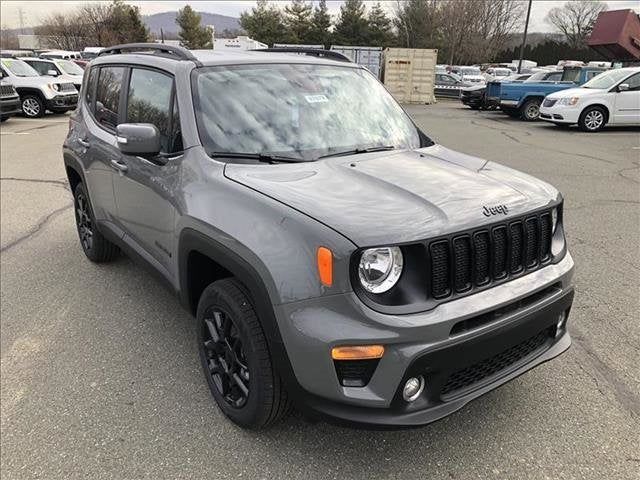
{"x":380,"y":268}
{"x":55,"y":87}
{"x":554,"y":220}
{"x":568,"y":101}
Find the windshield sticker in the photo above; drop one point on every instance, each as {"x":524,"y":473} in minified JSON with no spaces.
{"x":316,"y":98}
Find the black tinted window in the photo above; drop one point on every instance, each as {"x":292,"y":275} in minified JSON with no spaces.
{"x":149,"y":101}
{"x":633,"y":82}
{"x":41,"y":67}
{"x":108,"y":96}
{"x":89,"y":87}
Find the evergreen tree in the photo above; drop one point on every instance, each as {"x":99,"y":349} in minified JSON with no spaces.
{"x":380,"y":34}
{"x":264,"y":23}
{"x":127,"y":24}
{"x":352,"y":27}
{"x":321,"y":22}
{"x":192,"y":34}
{"x":298,"y":21}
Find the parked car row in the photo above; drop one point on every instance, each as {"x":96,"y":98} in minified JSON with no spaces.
{"x":39,"y":92}
{"x":589,"y":96}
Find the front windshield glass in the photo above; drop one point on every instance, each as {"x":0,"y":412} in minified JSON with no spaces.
{"x":19,"y":68}
{"x":470,"y":71}
{"x":69,"y":68}
{"x":606,"y":80}
{"x":297,"y":110}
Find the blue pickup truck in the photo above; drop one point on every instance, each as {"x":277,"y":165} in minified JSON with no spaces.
{"x":523,"y":99}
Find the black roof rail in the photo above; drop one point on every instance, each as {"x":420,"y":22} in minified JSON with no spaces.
{"x":179,"y":53}
{"x":315,"y":52}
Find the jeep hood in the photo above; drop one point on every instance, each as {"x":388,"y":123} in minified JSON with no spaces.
{"x":394,"y":197}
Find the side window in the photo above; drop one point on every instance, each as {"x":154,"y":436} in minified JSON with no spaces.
{"x":149,"y":101}
{"x":108,"y":96}
{"x":590,"y":75}
{"x":89,"y":87}
{"x":41,"y":67}
{"x":634,"y":82}
{"x":555,"y":77}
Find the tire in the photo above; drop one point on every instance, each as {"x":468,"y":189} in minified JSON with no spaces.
{"x":95,"y":246}
{"x":32,"y":106}
{"x":530,"y":111}
{"x":225,"y":311}
{"x":513,"y":113}
{"x":4,"y":119}
{"x":592,"y":119}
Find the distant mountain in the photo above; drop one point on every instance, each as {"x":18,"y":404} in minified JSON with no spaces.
{"x":167,"y":22}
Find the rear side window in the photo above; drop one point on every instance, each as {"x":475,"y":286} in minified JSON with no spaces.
{"x":108,"y":96}
{"x":89,"y":87}
{"x":633,"y":82}
{"x":149,"y":101}
{"x":555,"y":77}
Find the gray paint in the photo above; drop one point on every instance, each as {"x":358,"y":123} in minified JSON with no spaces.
{"x":276,"y":216}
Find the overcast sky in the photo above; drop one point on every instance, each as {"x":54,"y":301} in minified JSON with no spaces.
{"x":34,"y":11}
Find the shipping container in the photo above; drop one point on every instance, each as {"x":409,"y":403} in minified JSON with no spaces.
{"x":409,"y":74}
{"x":616,"y":35}
{"x":369,"y":57}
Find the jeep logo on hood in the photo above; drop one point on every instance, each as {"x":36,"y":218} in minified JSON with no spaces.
{"x":498,"y":209}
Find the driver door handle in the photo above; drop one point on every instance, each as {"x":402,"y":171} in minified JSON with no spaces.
{"x":119,"y":166}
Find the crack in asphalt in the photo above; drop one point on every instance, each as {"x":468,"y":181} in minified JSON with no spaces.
{"x":39,"y":226}
{"x":61,"y":183}
{"x":627,"y":398}
{"x":628,"y":169}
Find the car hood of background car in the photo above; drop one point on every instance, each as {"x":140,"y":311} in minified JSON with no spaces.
{"x":577,"y":92}
{"x":395,"y":197}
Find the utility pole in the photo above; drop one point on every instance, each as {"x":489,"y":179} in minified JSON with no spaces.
{"x":524,"y":38}
{"x":21,"y":17}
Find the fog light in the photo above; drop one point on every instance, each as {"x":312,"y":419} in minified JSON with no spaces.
{"x":560,"y":324}
{"x":413,"y":388}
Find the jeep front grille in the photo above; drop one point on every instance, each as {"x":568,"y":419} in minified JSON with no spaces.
{"x":67,"y":87}
{"x":7,"y":91}
{"x":468,"y":261}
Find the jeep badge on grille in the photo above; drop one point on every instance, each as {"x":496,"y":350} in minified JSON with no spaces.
{"x":498,"y":209}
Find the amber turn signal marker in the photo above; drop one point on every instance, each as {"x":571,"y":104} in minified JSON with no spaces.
{"x":325,"y":266}
{"x":357,"y":352}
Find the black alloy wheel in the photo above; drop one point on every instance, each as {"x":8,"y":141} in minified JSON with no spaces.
{"x":83,"y":221}
{"x":226,"y":360}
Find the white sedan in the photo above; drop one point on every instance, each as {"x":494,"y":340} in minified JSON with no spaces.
{"x":611,"y":98}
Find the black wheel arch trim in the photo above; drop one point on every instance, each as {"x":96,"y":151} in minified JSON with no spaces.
{"x":30,"y":91}
{"x":192,"y":240}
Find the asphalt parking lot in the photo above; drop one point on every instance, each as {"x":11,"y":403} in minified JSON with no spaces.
{"x":100,"y":376}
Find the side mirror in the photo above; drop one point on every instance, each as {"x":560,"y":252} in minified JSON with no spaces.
{"x":623,"y":87}
{"x":52,"y":73}
{"x":138,"y":138}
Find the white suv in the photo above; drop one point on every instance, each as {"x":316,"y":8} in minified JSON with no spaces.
{"x":38,"y":93}
{"x":611,"y":98}
{"x":64,"y":70}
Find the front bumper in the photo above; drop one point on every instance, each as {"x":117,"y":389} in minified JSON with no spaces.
{"x":560,"y":114}
{"x":422,"y":344}
{"x":62,"y":101}
{"x":10,"y":106}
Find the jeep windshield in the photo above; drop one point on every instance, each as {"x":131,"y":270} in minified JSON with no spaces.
{"x":300,"y":111}
{"x":69,"y":67}
{"x":19,"y":68}
{"x":606,"y":80}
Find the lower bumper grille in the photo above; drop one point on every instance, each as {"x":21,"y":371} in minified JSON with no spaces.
{"x":469,"y":376}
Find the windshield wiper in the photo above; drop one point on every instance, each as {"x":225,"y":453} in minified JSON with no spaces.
{"x":355,"y":151}
{"x":260,"y":157}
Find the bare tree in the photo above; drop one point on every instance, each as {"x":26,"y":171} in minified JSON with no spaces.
{"x":575,"y":19}
{"x":63,"y":31}
{"x":8,"y":39}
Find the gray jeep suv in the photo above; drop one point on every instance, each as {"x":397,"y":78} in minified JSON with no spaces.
{"x":335,"y":257}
